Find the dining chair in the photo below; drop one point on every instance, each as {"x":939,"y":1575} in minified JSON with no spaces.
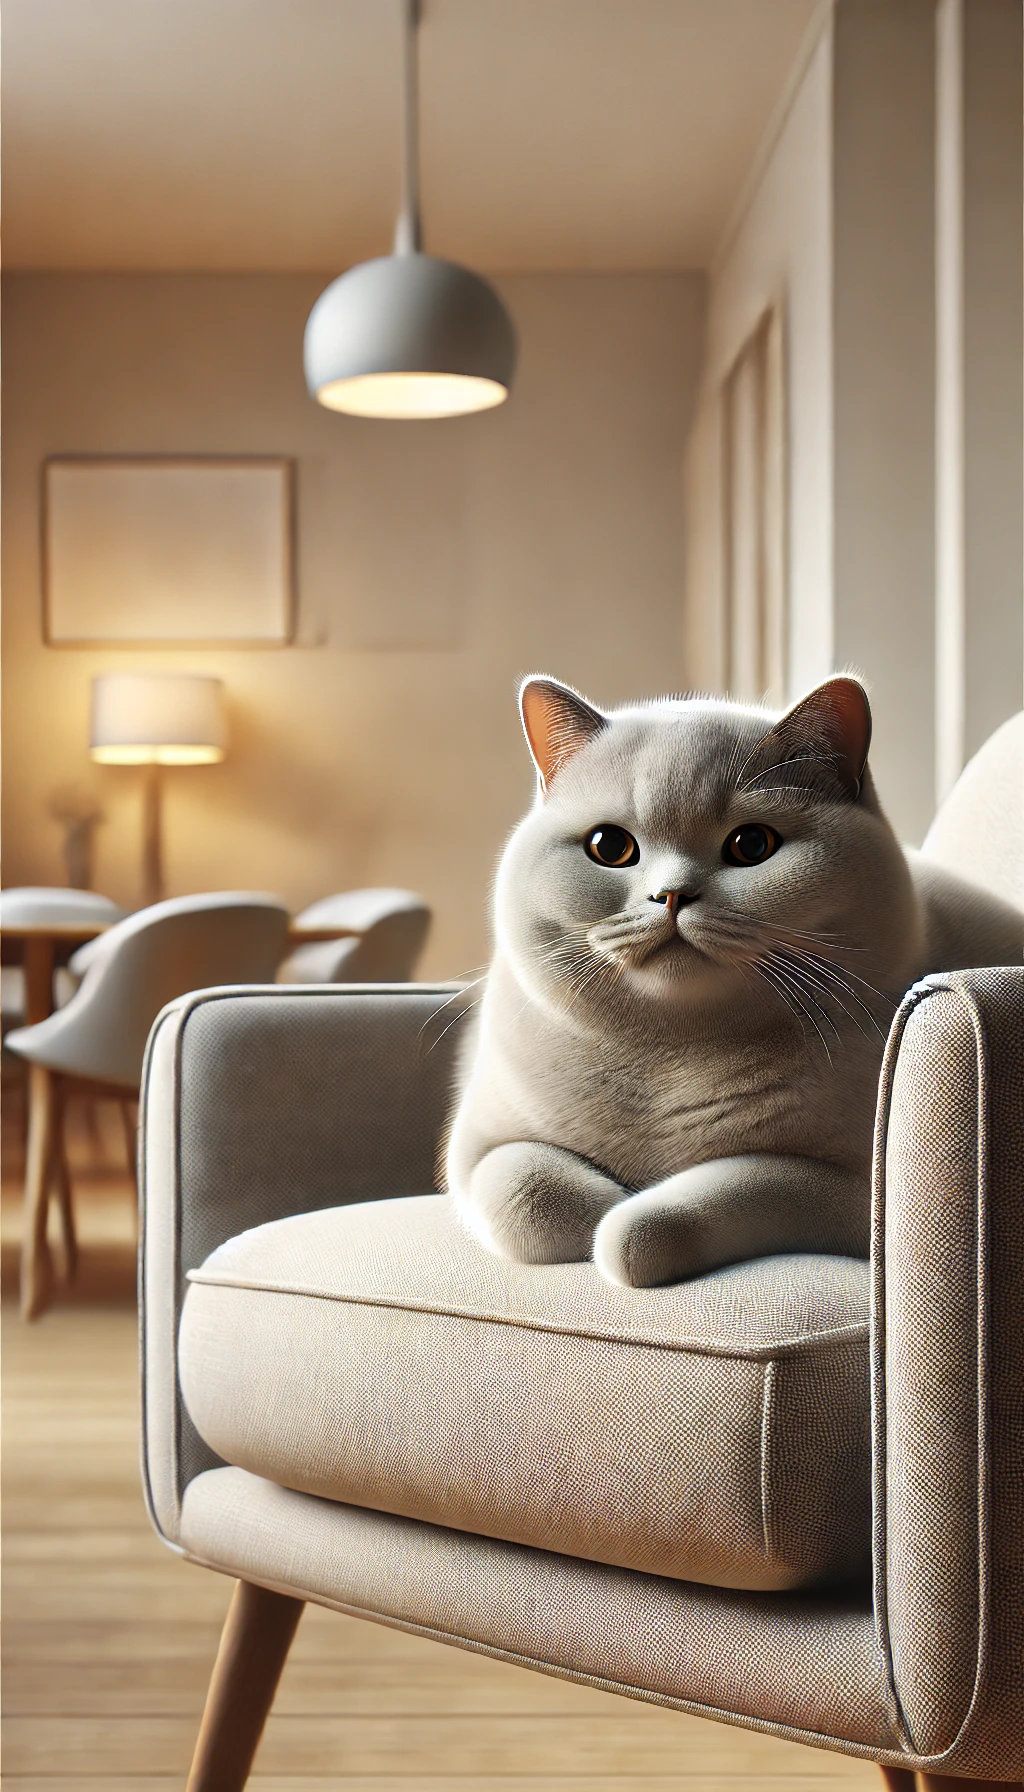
{"x":36,"y":921}
{"x":95,"y":1043}
{"x":389,"y":929}
{"x":41,"y":907}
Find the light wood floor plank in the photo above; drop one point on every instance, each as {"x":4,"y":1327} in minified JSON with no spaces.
{"x":649,"y":1741}
{"x":261,"y":1782}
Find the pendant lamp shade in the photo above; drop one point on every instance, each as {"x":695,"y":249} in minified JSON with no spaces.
{"x":409,"y":335}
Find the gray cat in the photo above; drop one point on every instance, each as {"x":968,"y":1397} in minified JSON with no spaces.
{"x":703,"y":927}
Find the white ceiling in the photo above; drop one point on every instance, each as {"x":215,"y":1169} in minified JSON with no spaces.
{"x":263,"y":134}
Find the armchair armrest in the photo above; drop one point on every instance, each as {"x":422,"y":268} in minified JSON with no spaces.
{"x":948,"y":1371}
{"x":258,"y":1103}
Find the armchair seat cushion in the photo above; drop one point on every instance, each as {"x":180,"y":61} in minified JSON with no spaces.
{"x":716,"y":1431}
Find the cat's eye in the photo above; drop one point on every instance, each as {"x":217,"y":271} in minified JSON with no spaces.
{"x":609,"y":845}
{"x":751,"y":844}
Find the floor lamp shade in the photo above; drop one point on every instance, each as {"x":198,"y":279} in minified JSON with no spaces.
{"x":157,"y":719}
{"x":409,"y":336}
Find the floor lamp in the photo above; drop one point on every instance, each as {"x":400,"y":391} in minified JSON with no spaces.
{"x":153,"y":720}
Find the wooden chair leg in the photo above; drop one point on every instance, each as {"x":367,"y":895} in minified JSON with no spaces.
{"x":65,"y":1203}
{"x":36,"y":1268}
{"x":899,"y":1779}
{"x":254,"y":1645}
{"x":62,"y":1183}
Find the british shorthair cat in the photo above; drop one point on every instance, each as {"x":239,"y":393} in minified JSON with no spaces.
{"x":703,"y":927}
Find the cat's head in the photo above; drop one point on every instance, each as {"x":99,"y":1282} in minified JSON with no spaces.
{"x":684,"y":850}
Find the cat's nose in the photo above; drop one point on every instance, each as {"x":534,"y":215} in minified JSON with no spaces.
{"x":674,"y":900}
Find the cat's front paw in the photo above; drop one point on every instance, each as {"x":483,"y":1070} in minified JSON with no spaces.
{"x":535,"y":1203}
{"x":640,"y":1245}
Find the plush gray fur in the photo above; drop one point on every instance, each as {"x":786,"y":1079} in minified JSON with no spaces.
{"x":672,"y":1088}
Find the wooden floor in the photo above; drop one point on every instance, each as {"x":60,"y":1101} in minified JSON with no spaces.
{"x":108,"y":1638}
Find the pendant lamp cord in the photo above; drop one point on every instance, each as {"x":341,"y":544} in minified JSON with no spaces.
{"x":408,"y":233}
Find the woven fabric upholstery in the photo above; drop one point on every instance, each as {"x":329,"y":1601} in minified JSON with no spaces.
{"x":716,"y":1431}
{"x":267,"y":1101}
{"x":949,"y":1370}
{"x":803,"y":1663}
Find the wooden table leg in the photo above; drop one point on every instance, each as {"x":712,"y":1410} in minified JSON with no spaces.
{"x":254,"y":1645}
{"x":37,"y":963}
{"x":36,"y":1268}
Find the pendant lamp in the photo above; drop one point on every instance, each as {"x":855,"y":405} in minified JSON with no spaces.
{"x":408,"y":335}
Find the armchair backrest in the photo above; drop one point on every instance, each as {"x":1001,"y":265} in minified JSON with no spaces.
{"x":979,"y":830}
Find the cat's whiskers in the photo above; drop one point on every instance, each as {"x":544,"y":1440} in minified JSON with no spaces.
{"x":827,"y":941}
{"x":767,"y":976}
{"x":594,"y":971}
{"x":816,"y":986}
{"x":455,"y":996}
{"x":845,"y":972}
{"x":634,"y":934}
{"x":802,"y":933}
{"x":730,"y":938}
{"x":809,"y":978}
{"x":586,"y":971}
{"x":771,"y":966}
{"x":573,"y":962}
{"x":831,"y":976}
{"x":788,"y":936}
{"x":783,"y":993}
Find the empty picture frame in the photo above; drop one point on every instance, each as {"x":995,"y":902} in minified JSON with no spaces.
{"x":178,"y":551}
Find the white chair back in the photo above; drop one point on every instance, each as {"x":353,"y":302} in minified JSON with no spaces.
{"x":391,"y":925}
{"x":191,"y":942}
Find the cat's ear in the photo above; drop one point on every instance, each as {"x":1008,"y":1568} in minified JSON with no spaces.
{"x":822,"y":742}
{"x":557,"y":723}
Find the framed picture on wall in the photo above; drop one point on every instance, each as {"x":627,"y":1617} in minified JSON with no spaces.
{"x":166,"y":550}
{"x":754,"y":513}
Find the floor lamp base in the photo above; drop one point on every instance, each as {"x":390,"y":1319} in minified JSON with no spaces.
{"x":152,"y":835}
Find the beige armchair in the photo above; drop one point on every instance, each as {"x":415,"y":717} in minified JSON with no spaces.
{"x":788,"y":1495}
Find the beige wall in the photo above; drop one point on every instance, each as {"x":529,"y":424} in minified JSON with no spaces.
{"x":841,"y":227}
{"x":884,"y":395}
{"x":778,"y":254}
{"x":980,"y":375}
{"x":437,"y":564}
